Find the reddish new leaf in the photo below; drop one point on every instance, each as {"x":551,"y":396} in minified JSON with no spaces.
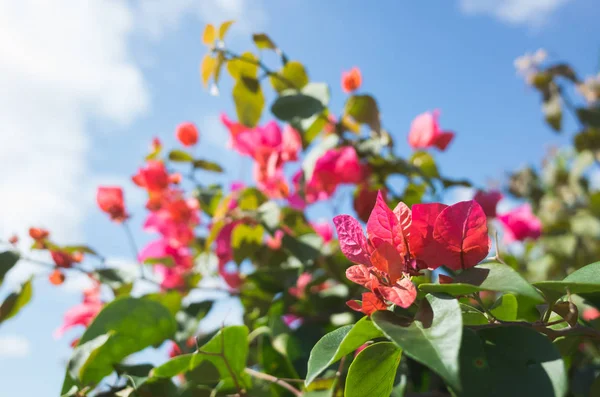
{"x":403,"y":293}
{"x":462,"y":231}
{"x":371,"y":303}
{"x":443,"y":140}
{"x":388,"y":260}
{"x":352,"y":240}
{"x":422,"y":244}
{"x":361,"y":275}
{"x":383,"y":224}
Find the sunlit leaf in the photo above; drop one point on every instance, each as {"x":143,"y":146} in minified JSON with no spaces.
{"x":209,"y":35}
{"x":380,"y":362}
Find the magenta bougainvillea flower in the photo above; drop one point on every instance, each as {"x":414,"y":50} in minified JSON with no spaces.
{"x":402,"y":242}
{"x":110,"y":200}
{"x":488,"y":201}
{"x":520,"y":224}
{"x":425,"y":132}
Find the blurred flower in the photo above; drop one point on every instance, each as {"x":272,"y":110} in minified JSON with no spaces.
{"x":177,"y":262}
{"x":174,"y":350}
{"x":292,"y":321}
{"x":274,"y":242}
{"x":187,"y":134}
{"x":330,"y":126}
{"x":590,"y":314}
{"x":153,"y":176}
{"x":14,"y":239}
{"x":425,"y":132}
{"x":83,"y":313}
{"x":364,"y":200}
{"x":488,"y":201}
{"x":529,"y":64}
{"x":324,"y":230}
{"x":57,"y":277}
{"x":38,"y":234}
{"x":110,"y":200}
{"x":351,"y":80}
{"x":63,"y":259}
{"x":520,"y":224}
{"x":590,"y":89}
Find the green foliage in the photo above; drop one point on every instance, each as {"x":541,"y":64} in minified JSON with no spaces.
{"x":15,"y":301}
{"x":8,"y":259}
{"x":380,"y":362}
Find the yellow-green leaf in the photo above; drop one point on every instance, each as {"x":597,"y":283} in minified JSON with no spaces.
{"x":263,"y":41}
{"x":209,"y":35}
{"x":292,"y":75}
{"x":249,"y":100}
{"x":207,"y":68}
{"x":224,"y":28}
{"x":245,"y":65}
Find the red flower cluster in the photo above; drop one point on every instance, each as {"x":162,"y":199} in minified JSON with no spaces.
{"x":402,"y":242}
{"x":187,"y":134}
{"x":351,"y":80}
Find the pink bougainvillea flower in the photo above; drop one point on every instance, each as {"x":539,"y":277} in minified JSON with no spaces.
{"x":324,"y":230}
{"x":274,"y":242}
{"x":330,"y":126}
{"x":110,"y":200}
{"x":83,"y":313}
{"x":351,"y":80}
{"x":153,"y":176}
{"x":364,"y":200}
{"x":178,"y":262}
{"x":425,"y":132}
{"x":292,"y":321}
{"x":291,"y":144}
{"x":400,"y":243}
{"x":175,"y":221}
{"x":63,"y":259}
{"x":488,"y":201}
{"x":590,"y":314}
{"x":270,"y":178}
{"x":174,"y":350}
{"x":520,"y":224}
{"x":335,"y":167}
{"x":187,"y":134}
{"x":299,"y":291}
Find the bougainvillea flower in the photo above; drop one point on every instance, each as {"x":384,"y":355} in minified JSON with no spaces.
{"x":187,"y":134}
{"x":402,"y":242}
{"x":174,"y":350}
{"x":274,"y":242}
{"x":590,"y":314}
{"x":110,"y":200}
{"x":324,"y":230}
{"x":38,"y":234}
{"x":425,"y":132}
{"x":299,"y":290}
{"x":83,"y":313}
{"x":335,"y":167}
{"x":178,"y":261}
{"x":351,"y":80}
{"x":330,"y":126}
{"x":488,"y":201}
{"x":14,"y":239}
{"x":63,"y":259}
{"x":235,"y":129}
{"x":520,"y":224}
{"x":56,"y":277}
{"x":292,"y":321}
{"x":175,"y":221}
{"x":270,"y":178}
{"x":153,"y":176}
{"x":364,"y":200}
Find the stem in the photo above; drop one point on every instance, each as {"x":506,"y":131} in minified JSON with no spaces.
{"x":134,"y":249}
{"x":548,"y":313}
{"x":338,"y":375}
{"x":273,"y":379}
{"x":485,"y":309}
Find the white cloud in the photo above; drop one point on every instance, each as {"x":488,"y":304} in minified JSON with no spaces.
{"x":61,"y":63}
{"x":529,"y":12}
{"x":157,"y":16}
{"x":14,"y":346}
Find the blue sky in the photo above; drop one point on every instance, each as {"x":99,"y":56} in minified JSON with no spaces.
{"x":88,"y":84}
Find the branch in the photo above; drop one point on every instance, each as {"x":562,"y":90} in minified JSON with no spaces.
{"x":577,"y":330}
{"x":273,"y":379}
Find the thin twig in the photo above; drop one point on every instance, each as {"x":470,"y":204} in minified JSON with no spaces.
{"x":134,"y":249}
{"x":338,"y":375}
{"x":497,"y":257}
{"x":273,"y":379}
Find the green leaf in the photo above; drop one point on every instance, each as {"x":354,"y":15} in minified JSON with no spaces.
{"x":133,"y":324}
{"x":169,"y":299}
{"x":505,"y":308}
{"x":296,"y":106}
{"x":245,"y":65}
{"x":426,"y":163}
{"x":7,"y":260}
{"x":590,"y":117}
{"x":246,"y":240}
{"x":584,"y":224}
{"x":80,"y":248}
{"x":486,"y":277}
{"x":373,"y":371}
{"x":305,"y":248}
{"x":292,"y":75}
{"x":249,"y":100}
{"x":234,"y":349}
{"x":584,"y":280}
{"x":553,"y":112}
{"x":475,"y":374}
{"x":525,"y":357}
{"x":263,"y":41}
{"x":189,"y":318}
{"x":15,"y":301}
{"x":433,"y":338}
{"x":336,"y":344}
{"x":165,"y":261}
{"x":207,"y":165}
{"x":472,"y":316}
{"x":119,"y":280}
{"x":269,"y":215}
{"x":364,"y":109}
{"x":180,"y":156}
